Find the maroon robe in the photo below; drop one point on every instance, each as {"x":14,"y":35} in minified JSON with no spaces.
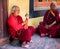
{"x":16,"y":29}
{"x":49,"y":19}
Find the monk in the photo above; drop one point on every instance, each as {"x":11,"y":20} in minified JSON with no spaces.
{"x":19,"y":28}
{"x":50,"y":22}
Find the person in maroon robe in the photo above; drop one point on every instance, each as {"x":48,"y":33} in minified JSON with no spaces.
{"x":50,"y":22}
{"x":18,"y":28}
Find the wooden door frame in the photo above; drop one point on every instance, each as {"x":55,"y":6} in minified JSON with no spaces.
{"x":3,"y":18}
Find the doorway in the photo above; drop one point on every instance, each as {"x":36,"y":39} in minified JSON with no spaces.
{"x":3,"y":18}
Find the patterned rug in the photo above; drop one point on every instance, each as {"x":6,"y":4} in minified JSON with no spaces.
{"x":38,"y":43}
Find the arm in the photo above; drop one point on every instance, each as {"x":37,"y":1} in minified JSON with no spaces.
{"x":57,"y":19}
{"x":20,"y":20}
{"x":13,"y":23}
{"x":45,"y":16}
{"x":52,"y":24}
{"x":44,"y":20}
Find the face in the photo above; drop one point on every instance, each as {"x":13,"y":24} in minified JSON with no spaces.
{"x":53,"y":6}
{"x":17,"y":11}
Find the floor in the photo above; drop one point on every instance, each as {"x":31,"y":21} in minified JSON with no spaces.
{"x":38,"y":43}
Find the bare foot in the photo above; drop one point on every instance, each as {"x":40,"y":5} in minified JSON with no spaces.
{"x":25,"y":45}
{"x":31,"y":41}
{"x":43,"y":35}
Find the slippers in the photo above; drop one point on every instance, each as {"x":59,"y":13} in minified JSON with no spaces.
{"x":25,"y":46}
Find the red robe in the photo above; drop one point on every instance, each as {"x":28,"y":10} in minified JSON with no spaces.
{"x":49,"y":19}
{"x":16,"y":29}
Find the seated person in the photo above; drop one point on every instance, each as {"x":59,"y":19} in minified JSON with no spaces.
{"x":19,"y":28}
{"x":50,"y":22}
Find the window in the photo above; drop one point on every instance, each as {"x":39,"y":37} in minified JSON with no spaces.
{"x":40,"y":0}
{"x":47,"y":0}
{"x":59,"y":0}
{"x":53,"y":0}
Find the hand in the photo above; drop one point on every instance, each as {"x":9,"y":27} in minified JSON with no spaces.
{"x":25,"y":22}
{"x":26,"y":27}
{"x":46,"y":26}
{"x":50,"y":25}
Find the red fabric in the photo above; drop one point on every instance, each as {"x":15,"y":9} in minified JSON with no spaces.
{"x":51,"y":31}
{"x":49,"y":19}
{"x":16,"y":29}
{"x":13,"y":22}
{"x":27,"y":33}
{"x":32,"y":30}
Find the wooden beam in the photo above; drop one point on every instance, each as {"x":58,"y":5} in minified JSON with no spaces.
{"x":1,"y":19}
{"x":3,"y":22}
{"x":5,"y":16}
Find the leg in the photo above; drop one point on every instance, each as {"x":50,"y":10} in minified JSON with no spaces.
{"x":25,"y":37}
{"x":11,"y":39}
{"x":42,"y":30}
{"x":32,"y":30}
{"x":12,"y":36}
{"x":53,"y":31}
{"x":24,"y":44}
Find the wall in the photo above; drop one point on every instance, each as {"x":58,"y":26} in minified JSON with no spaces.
{"x":35,"y":21}
{"x":24,"y":8}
